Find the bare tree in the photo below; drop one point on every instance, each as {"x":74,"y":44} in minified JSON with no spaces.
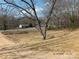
{"x":3,"y":22}
{"x":6,"y":18}
{"x":30,"y":5}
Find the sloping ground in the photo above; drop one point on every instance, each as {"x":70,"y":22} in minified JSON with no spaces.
{"x":34,"y":36}
{"x":65,"y":47}
{"x":73,"y":42}
{"x":4,"y":41}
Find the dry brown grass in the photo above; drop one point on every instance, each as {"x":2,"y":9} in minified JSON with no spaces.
{"x":33,"y":36}
{"x":64,"y":45}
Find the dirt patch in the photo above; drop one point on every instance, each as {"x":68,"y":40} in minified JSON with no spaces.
{"x":14,"y":32}
{"x":33,"y":36}
{"x":64,"y":41}
{"x":4,"y":41}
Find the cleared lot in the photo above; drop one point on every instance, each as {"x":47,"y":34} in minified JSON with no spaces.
{"x":61,"y":44}
{"x":32,"y":35}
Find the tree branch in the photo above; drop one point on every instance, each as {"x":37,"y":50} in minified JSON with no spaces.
{"x":39,"y":24}
{"x":48,"y":18}
{"x":18,"y":7}
{"x":27,"y":3}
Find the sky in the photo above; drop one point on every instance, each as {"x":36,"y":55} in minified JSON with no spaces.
{"x":39,"y":5}
{"x":39,"y":2}
{"x":1,"y":1}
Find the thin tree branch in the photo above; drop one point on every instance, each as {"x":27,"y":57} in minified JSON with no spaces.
{"x":37,"y":18}
{"x":48,"y":18}
{"x":18,"y":7}
{"x":26,"y":3}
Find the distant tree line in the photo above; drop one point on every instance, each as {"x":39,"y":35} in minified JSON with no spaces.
{"x":7,"y":22}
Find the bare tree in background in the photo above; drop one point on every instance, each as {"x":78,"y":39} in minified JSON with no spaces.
{"x":6,"y":18}
{"x":3,"y":22}
{"x":30,"y":11}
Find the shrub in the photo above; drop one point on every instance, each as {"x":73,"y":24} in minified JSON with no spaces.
{"x":51,"y":26}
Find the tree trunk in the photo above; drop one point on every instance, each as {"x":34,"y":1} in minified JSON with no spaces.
{"x":5,"y":27}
